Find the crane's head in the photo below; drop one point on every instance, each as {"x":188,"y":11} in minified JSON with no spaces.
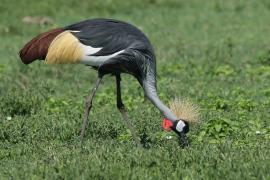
{"x":186,"y":112}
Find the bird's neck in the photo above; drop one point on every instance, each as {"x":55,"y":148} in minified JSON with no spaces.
{"x":151,"y":93}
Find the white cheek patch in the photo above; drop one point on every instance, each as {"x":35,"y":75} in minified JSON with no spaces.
{"x":180,"y":126}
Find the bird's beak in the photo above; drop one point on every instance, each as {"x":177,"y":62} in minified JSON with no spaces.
{"x":183,"y":140}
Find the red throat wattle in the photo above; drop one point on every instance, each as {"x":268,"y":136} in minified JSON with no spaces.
{"x":167,"y":124}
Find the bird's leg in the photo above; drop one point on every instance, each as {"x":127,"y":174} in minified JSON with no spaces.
{"x":123,"y":111}
{"x":88,"y":106}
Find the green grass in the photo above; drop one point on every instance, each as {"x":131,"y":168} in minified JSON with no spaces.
{"x":215,"y":53}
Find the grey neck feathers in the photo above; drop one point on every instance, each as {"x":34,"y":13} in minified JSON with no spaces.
{"x":149,"y":87}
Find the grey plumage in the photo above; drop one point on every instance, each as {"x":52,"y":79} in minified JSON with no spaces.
{"x":138,"y":59}
{"x":134,"y":55}
{"x":113,"y":36}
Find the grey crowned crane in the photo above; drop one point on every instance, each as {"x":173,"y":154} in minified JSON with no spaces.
{"x":110,"y":47}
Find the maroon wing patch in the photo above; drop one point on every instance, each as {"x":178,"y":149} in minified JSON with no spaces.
{"x":37,"y":48}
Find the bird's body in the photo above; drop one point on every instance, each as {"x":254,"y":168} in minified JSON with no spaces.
{"x":110,"y":47}
{"x":93,"y":43}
